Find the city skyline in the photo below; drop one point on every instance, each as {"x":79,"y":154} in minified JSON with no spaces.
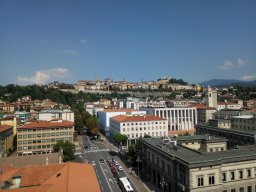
{"x":65,"y":41}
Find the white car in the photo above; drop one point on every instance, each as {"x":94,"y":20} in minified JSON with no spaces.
{"x":116,"y":163}
{"x":93,"y":163}
{"x":120,"y":168}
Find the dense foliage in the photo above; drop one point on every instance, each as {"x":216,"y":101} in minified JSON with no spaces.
{"x":120,"y":138}
{"x":68,"y":149}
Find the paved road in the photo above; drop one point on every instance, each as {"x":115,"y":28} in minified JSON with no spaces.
{"x":103,"y":150}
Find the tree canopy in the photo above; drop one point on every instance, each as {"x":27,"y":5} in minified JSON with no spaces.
{"x":120,"y":138}
{"x":68,"y":149}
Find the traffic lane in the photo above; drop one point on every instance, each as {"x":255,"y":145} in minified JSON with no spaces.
{"x":103,"y":171}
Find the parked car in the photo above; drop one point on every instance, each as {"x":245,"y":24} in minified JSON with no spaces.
{"x":119,"y":168}
{"x":101,"y":161}
{"x":93,"y":163}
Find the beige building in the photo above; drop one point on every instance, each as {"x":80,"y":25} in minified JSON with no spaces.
{"x":12,"y":121}
{"x":173,"y":167}
{"x":204,"y":113}
{"x":39,"y":137}
{"x":135,"y":126}
{"x":6,"y":139}
{"x":244,"y":122}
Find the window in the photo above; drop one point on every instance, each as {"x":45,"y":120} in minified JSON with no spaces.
{"x":240,"y":174}
{"x":224,"y":178}
{"x":249,"y":189}
{"x":233,"y":190}
{"x":19,"y":136}
{"x":232,"y":175}
{"x":200,"y":181}
{"x":211,"y":180}
{"x":241,"y":189}
{"x":248,"y":172}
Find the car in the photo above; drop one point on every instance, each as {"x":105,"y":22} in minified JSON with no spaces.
{"x":101,"y":161}
{"x":93,"y":163}
{"x":119,"y":168}
{"x":116,"y":163}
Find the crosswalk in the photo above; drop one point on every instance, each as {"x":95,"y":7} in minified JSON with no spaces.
{"x":98,"y":150}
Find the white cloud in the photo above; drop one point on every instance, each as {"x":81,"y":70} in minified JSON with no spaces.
{"x":227,"y":65}
{"x":83,"y":41}
{"x":45,"y":76}
{"x":240,"y":62}
{"x":70,"y":52}
{"x":249,"y":77}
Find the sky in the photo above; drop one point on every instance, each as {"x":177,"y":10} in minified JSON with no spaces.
{"x":135,"y":40}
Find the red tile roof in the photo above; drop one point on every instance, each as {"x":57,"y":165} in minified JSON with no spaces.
{"x":47,"y":124}
{"x":125,"y":118}
{"x":5,"y":127}
{"x":66,"y":177}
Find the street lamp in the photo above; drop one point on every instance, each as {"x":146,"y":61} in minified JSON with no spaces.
{"x":138,"y":161}
{"x":163,"y":183}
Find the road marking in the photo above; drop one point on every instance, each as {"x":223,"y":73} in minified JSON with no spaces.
{"x":106,"y":178}
{"x":93,"y":151}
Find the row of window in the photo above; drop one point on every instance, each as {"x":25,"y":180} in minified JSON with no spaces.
{"x":241,"y":175}
{"x":53,"y":140}
{"x":140,"y":129}
{"x":153,"y":134}
{"x":149,"y":123}
{"x":44,"y":135}
{"x":241,"y":189}
{"x":43,"y":130}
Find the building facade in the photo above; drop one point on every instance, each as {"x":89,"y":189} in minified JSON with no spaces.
{"x":6,"y":139}
{"x":139,"y":126}
{"x":104,"y":117}
{"x":49,"y":114}
{"x":212,"y":97}
{"x":204,"y":113}
{"x":39,"y":137}
{"x":176,"y":168}
{"x":244,"y":122}
{"x":180,"y":120}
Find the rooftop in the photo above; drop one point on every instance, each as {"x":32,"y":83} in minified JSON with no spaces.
{"x":66,"y":177}
{"x":4,"y":128}
{"x":193,"y":158}
{"x":136,"y":118}
{"x":119,"y":110}
{"x":47,"y":124}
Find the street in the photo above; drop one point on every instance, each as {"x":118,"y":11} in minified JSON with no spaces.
{"x":103,"y":150}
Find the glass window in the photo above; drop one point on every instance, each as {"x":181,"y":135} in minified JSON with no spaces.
{"x":211,"y":180}
{"x":224,"y":177}
{"x":232,"y":175}
{"x":248,"y":172}
{"x":200,"y":181}
{"x":240,"y":174}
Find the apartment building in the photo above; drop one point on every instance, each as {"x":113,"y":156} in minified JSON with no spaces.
{"x":12,"y":121}
{"x":135,"y":126}
{"x":204,"y":113}
{"x":173,"y":167}
{"x":244,"y":122}
{"x":104,"y":117}
{"x":49,"y":114}
{"x":39,"y":137}
{"x":180,"y":120}
{"x":6,"y":139}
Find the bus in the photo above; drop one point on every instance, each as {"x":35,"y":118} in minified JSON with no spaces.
{"x":125,"y":185}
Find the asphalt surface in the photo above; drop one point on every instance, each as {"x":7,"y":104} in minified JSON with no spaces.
{"x":103,"y":150}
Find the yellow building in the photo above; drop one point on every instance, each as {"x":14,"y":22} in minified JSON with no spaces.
{"x":12,"y":121}
{"x":6,"y":139}
{"x":39,"y":137}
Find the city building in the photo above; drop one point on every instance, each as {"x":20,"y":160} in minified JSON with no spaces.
{"x":23,"y":115}
{"x":65,"y":177}
{"x":135,"y":126}
{"x":49,"y":114}
{"x":244,"y":122}
{"x":180,"y":120}
{"x":39,"y":137}
{"x":230,"y":105}
{"x":104,"y":117}
{"x":6,"y":139}
{"x":12,"y":121}
{"x":204,"y":113}
{"x":235,"y":137}
{"x":174,"y":167}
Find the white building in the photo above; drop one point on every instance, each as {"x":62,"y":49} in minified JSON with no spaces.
{"x":135,"y":126}
{"x":212,"y":97}
{"x":105,"y":115}
{"x":204,"y":113}
{"x":180,"y":120}
{"x":50,"y":114}
{"x":229,"y":105}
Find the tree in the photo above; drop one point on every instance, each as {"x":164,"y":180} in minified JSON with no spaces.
{"x":120,"y":138}
{"x":93,"y":125}
{"x":68,"y":149}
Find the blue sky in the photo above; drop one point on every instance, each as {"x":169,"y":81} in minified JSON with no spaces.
{"x":42,"y":41}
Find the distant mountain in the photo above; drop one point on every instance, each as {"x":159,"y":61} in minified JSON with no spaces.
{"x":227,"y":82}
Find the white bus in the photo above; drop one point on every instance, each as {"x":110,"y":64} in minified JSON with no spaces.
{"x":125,"y":185}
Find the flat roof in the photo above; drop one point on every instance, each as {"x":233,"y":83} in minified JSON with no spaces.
{"x":136,"y":118}
{"x":193,"y":158}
